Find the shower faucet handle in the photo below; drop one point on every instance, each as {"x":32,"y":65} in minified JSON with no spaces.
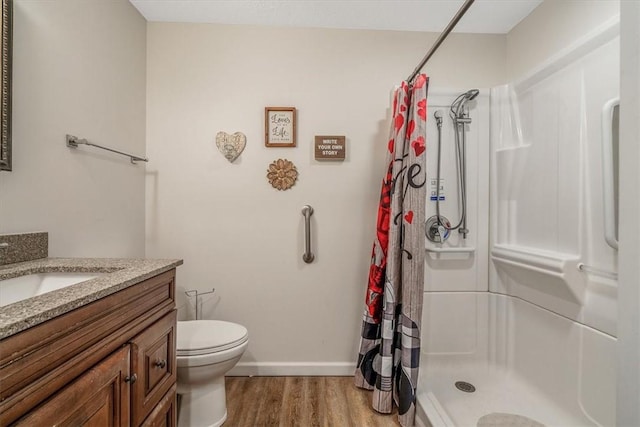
{"x":436,"y":230}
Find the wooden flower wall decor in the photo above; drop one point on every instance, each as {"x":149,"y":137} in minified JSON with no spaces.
{"x":282,"y":174}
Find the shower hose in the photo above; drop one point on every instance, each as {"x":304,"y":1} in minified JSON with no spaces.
{"x":460,"y":141}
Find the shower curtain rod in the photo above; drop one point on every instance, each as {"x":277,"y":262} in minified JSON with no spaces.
{"x":463,"y":9}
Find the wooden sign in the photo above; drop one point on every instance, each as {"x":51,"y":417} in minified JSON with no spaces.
{"x":330,"y":147}
{"x":280,"y":127}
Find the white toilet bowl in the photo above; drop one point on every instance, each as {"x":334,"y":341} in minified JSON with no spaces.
{"x":206,"y":351}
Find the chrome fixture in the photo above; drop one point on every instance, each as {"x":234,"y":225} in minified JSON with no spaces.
{"x":73,"y":142}
{"x":460,"y":117}
{"x":198,"y":294}
{"x":465,"y":386}
{"x":307,"y":211}
{"x":459,"y":104}
{"x":435,"y":229}
{"x":450,"y":26}
{"x":438,"y":115}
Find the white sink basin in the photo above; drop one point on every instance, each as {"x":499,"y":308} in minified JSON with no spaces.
{"x":23,"y":287}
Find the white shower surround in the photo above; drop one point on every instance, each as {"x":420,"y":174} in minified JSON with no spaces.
{"x":521,"y":358}
{"x":541,"y":342}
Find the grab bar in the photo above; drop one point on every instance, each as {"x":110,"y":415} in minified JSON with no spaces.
{"x":608,"y":173}
{"x":307,"y":211}
{"x":73,"y":142}
{"x":596,"y":271}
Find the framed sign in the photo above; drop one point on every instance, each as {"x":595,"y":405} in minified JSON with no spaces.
{"x":280,"y":126}
{"x":330,"y":147}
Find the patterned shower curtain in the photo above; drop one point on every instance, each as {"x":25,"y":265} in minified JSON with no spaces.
{"x":390,"y":339}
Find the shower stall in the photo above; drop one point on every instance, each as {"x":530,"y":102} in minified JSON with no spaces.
{"x":520,"y":306}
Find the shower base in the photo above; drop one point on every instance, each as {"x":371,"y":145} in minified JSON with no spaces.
{"x":441,"y":404}
{"x":485,"y":355}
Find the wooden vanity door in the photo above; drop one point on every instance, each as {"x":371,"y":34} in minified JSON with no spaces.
{"x":99,"y":397}
{"x":153,"y":361}
{"x":166,"y":413}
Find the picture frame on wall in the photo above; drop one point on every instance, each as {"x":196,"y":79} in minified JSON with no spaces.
{"x":5,"y":82}
{"x":280,"y":126}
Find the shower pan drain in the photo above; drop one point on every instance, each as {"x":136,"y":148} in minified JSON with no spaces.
{"x":465,"y":386}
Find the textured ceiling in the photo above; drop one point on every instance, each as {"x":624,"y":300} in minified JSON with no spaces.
{"x":484,"y":16}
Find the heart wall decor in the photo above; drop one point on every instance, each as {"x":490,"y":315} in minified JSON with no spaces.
{"x":231,"y":146}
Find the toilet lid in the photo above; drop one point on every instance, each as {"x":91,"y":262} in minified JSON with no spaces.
{"x":208,"y":336}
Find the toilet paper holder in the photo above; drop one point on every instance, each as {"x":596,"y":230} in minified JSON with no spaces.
{"x":198,"y":294}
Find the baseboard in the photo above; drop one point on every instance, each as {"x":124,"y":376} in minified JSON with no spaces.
{"x":285,"y":369}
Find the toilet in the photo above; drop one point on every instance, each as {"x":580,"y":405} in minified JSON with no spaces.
{"x":206,"y":351}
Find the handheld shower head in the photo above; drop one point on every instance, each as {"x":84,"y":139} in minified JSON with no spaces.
{"x":471,"y":94}
{"x":457,"y":108}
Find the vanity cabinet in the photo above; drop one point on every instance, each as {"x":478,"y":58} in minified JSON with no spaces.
{"x":153,"y":360}
{"x":165,"y":413}
{"x":108,"y":363}
{"x":100,"y":397}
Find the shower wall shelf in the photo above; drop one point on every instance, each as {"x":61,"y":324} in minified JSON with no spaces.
{"x":535,"y":267}
{"x":451,"y":250}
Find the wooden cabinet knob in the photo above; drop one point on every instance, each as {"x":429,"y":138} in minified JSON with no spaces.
{"x":131,"y":378}
{"x":161,"y":363}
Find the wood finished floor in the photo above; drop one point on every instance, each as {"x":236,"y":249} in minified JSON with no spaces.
{"x":301,"y":401}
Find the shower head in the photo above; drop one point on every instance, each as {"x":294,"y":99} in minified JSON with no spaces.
{"x":471,"y":94}
{"x":457,"y":108}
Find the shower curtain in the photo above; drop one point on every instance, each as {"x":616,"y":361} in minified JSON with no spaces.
{"x":390,"y":339}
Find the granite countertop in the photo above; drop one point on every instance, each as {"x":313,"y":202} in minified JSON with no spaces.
{"x":123,"y":273}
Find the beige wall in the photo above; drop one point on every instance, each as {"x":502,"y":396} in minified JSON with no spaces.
{"x":79,"y":68}
{"x":243,"y":237}
{"x":551,"y":27}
